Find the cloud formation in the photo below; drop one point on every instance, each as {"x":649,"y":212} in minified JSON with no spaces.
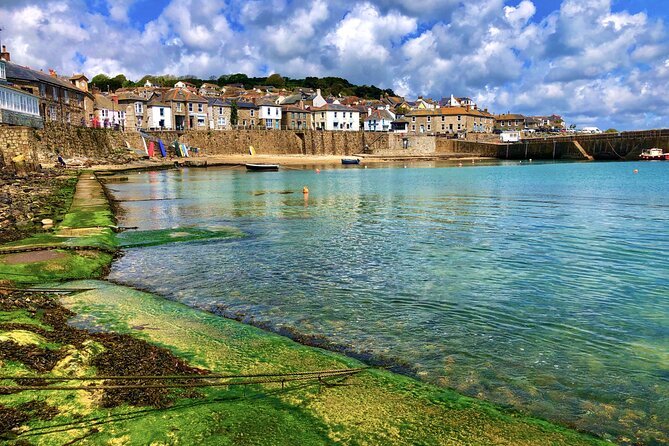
{"x":586,"y":60}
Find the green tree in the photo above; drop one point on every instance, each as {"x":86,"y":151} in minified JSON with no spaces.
{"x":612,"y":130}
{"x":276,"y":80}
{"x":234,"y":115}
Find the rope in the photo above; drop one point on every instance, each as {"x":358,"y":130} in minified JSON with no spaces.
{"x":290,"y":378}
{"x":168,"y":377}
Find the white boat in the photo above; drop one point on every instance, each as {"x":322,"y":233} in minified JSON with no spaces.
{"x":654,"y":154}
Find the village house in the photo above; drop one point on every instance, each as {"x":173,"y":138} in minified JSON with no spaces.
{"x":336,"y":117}
{"x":510,"y":121}
{"x":219,"y":112}
{"x":450,"y":120}
{"x":247,"y":115}
{"x":379,"y":120}
{"x":188,"y":109}
{"x":59,"y":99}
{"x":270,"y":114}
{"x":107,"y":113}
{"x":17,"y":107}
{"x":158,"y":114}
{"x":210,"y":90}
{"x":295,"y":118}
{"x":134,"y":107}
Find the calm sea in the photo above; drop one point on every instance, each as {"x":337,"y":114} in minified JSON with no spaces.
{"x":544,"y":287}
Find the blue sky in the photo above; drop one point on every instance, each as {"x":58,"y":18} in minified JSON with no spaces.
{"x":596,"y":62}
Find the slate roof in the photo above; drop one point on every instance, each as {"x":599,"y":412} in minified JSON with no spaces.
{"x":182,"y":95}
{"x":16,"y":72}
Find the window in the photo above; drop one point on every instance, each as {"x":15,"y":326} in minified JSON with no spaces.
{"x":276,"y":111}
{"x":413,"y":119}
{"x":162,"y":111}
{"x":459,"y":126}
{"x":200,"y":108}
{"x":68,"y":117}
{"x":52,"y":113}
{"x":42,"y":90}
{"x":190,"y":106}
{"x":138,"y":108}
{"x":200,"y":122}
{"x":351,"y":114}
{"x":220,"y":112}
{"x":429,"y":119}
{"x":54,"y":92}
{"x":429,"y":127}
{"x":443,"y":118}
{"x":2,"y":71}
{"x":244,"y":122}
{"x":459,"y":118}
{"x":66,"y":96}
{"x":413,"y":127}
{"x":178,"y":106}
{"x":443,"y":127}
{"x":221,"y":121}
{"x":252,"y":113}
{"x":335,"y":115}
{"x":450,"y":126}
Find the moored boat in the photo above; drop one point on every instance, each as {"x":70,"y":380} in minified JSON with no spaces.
{"x":262,"y":167}
{"x":654,"y":154}
{"x":350,"y":161}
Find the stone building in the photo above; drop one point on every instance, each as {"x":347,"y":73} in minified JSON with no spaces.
{"x":135,"y":110}
{"x":247,"y":115}
{"x":295,"y":118}
{"x":510,"y":121}
{"x":219,"y":112}
{"x":59,"y":100}
{"x":17,"y":107}
{"x":450,"y":120}
{"x":189,"y":110}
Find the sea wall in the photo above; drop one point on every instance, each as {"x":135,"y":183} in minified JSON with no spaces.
{"x":39,"y":146}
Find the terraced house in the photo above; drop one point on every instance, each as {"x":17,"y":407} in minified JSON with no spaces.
{"x":17,"y":107}
{"x":295,"y":118}
{"x":219,"y":112}
{"x":336,"y":117}
{"x":59,"y":99}
{"x":189,"y":110}
{"x":450,"y":120}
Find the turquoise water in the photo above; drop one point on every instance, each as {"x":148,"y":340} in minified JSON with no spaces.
{"x":544,"y":287}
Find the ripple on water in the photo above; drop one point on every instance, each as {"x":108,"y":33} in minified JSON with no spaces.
{"x":542,"y":287}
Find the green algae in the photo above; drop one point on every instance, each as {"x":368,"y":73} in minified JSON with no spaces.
{"x":70,"y":266}
{"x":376,"y":407}
{"x":133,"y":239}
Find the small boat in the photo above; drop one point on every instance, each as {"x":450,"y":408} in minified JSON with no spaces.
{"x":262,"y":167}
{"x":654,"y":154}
{"x":350,"y":161}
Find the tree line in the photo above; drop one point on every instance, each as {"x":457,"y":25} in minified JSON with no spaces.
{"x":334,"y":86}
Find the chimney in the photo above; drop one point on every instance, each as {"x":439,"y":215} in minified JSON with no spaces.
{"x":5,"y":54}
{"x":52,"y":72}
{"x":114,"y":98}
{"x":318,"y":91}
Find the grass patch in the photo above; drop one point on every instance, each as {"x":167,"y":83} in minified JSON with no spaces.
{"x":72,"y":265}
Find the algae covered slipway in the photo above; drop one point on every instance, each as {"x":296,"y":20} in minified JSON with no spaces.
{"x":58,"y":319}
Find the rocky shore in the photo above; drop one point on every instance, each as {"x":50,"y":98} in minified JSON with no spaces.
{"x":26,"y":200}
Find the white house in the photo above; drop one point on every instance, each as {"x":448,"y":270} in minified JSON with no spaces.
{"x":336,"y":117}
{"x":158,"y":114}
{"x":17,"y":106}
{"x":379,"y":121}
{"x":270,"y":114}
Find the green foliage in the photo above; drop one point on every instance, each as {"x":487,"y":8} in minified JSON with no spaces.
{"x":276,"y":80}
{"x":234,"y":113}
{"x":611,"y":130}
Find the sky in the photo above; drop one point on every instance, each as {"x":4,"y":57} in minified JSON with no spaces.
{"x":595,"y":62}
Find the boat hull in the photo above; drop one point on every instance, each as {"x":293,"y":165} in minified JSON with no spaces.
{"x":350,"y":161}
{"x":262,"y":167}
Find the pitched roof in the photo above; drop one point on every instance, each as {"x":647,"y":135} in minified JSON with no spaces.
{"x":379,"y":115}
{"x":291,"y":108}
{"x":246,"y":105}
{"x":182,"y":95}
{"x":103,"y":102}
{"x":509,"y":116}
{"x":130,"y":96}
{"x":335,"y":107}
{"x":17,"y":72}
{"x":450,"y":111}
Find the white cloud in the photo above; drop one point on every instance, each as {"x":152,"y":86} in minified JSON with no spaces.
{"x":587,"y":60}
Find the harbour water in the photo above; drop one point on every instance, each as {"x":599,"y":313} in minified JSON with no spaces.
{"x":543,"y":287}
